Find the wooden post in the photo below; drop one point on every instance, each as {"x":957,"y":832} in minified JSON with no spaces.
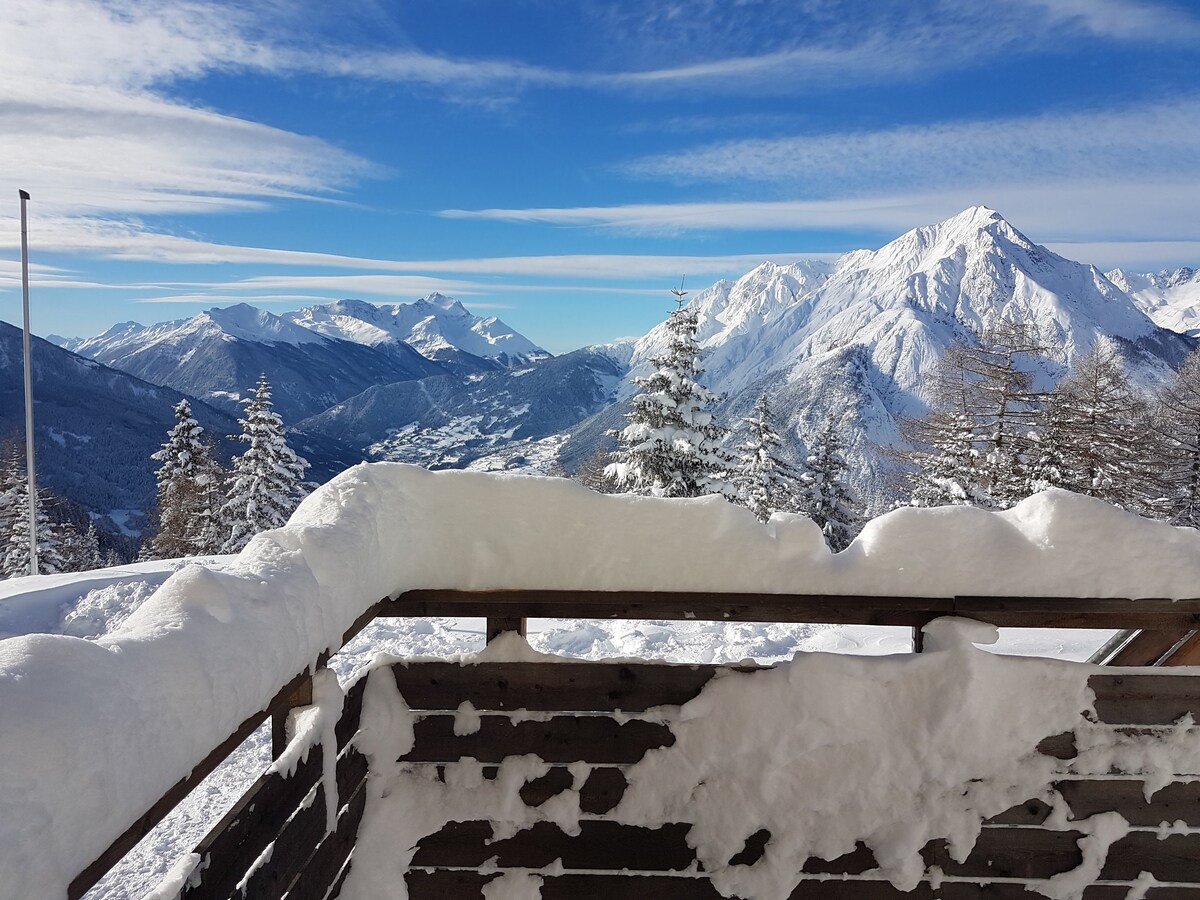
{"x":497,"y":625}
{"x":918,"y":640}
{"x":301,"y":696}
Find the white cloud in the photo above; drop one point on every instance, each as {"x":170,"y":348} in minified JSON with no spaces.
{"x":1162,"y":138}
{"x":1053,"y":211}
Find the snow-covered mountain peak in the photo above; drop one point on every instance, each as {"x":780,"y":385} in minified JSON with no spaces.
{"x":441,"y":301}
{"x":437,"y":326}
{"x":1170,"y":298}
{"x":245,"y":322}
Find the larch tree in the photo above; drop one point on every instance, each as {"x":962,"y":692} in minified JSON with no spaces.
{"x":1176,"y":469}
{"x":672,"y":444}
{"x":764,"y":481}
{"x":265,"y":485}
{"x":977,"y":440}
{"x":1095,"y":426}
{"x":824,"y":495}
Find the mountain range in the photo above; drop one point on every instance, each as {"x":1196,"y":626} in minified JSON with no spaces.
{"x":854,"y":339}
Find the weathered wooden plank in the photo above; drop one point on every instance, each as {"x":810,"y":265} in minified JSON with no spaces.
{"x":1028,"y":612}
{"x":140,"y":828}
{"x":1147,"y":647}
{"x":562,"y":739}
{"x":235,"y":842}
{"x":301,"y":696}
{"x":739,"y":607}
{"x":1087,"y":797}
{"x":1173,"y":858}
{"x":1145,"y":699}
{"x":240,"y":837}
{"x":326,"y":868}
{"x":599,"y":845}
{"x":304,"y":832}
{"x":1185,"y":653}
{"x":155,"y":814}
{"x":439,"y":884}
{"x":565,"y":687}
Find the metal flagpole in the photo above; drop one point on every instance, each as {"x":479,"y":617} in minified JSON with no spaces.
{"x":33,"y":536}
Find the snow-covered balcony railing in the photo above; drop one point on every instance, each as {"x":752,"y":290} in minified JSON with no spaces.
{"x":112,"y":733}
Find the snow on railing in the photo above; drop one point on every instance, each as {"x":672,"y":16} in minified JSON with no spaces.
{"x":95,"y":732}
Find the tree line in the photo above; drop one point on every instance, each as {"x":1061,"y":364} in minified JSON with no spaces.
{"x":673,"y":446}
{"x":201,"y":508}
{"x":990,"y":437}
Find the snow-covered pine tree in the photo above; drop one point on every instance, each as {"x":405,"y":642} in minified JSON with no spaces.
{"x":672,"y":445}
{"x":178,"y":493}
{"x":264,"y":487}
{"x":1176,"y":471}
{"x":16,"y":560}
{"x":1095,"y":425}
{"x":764,"y":481}
{"x":207,"y":533}
{"x":10,"y":492}
{"x":81,"y":550}
{"x":824,"y":495}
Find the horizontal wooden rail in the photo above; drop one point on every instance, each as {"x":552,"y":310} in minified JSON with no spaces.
{"x":1014,"y":612}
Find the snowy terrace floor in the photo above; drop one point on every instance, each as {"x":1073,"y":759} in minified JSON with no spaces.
{"x":212,"y":647}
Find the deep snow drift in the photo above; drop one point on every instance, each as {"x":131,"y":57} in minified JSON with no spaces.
{"x":94,"y":732}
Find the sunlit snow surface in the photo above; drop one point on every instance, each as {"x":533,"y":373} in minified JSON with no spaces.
{"x":214,"y":643}
{"x":90,"y":604}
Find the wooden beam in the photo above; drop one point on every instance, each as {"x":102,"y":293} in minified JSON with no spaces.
{"x":1025,"y":612}
{"x":498,"y":625}
{"x":302,"y":696}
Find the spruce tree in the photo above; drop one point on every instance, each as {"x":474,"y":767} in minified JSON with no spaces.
{"x":765,"y":483}
{"x":672,"y":445}
{"x":265,"y":485}
{"x":177,"y":496}
{"x":824,"y":496}
{"x":16,"y":561}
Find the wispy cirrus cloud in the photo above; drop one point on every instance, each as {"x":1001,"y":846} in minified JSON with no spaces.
{"x":1161,"y":139}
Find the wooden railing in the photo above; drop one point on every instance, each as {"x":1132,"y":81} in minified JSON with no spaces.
{"x":305,"y":862}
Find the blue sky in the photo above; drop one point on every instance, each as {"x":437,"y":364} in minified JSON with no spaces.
{"x":562,"y":164}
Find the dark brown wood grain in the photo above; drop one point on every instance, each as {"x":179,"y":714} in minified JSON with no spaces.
{"x":564,"y":687}
{"x":1139,"y":699}
{"x":562,"y":739}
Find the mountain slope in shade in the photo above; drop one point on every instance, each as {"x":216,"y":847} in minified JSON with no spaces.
{"x":437,"y":326}
{"x":95,"y":427}
{"x":450,"y":422}
{"x":1171,"y":299}
{"x":219,"y":354}
{"x":859,"y":339}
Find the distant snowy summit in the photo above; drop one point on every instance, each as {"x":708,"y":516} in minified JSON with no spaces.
{"x":438,"y":327}
{"x":1172,"y":299}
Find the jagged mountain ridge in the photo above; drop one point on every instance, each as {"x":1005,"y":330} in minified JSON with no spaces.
{"x":438,"y":327}
{"x":219,"y":354}
{"x":857,"y":340}
{"x":1171,"y":299}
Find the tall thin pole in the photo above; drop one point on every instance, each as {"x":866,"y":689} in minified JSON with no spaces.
{"x":25,"y":342}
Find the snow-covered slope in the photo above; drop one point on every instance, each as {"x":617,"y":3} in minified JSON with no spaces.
{"x":1171,"y":299}
{"x":437,"y":326}
{"x":858,"y":340}
{"x":219,"y":354}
